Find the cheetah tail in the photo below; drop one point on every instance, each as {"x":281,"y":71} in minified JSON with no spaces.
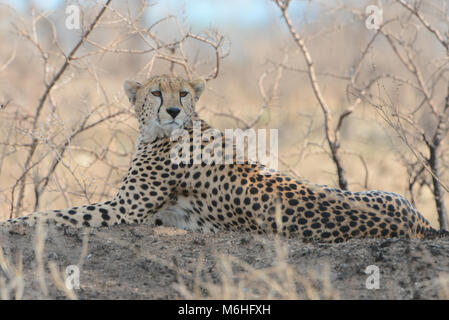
{"x":432,"y":233}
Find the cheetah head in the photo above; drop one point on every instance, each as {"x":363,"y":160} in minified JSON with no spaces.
{"x":163,"y":103}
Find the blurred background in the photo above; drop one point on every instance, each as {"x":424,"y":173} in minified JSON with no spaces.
{"x":67,"y":131}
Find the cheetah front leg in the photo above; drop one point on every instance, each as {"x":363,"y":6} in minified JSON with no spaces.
{"x":93,"y":215}
{"x":133,"y":204}
{"x":104,"y":214}
{"x":141,"y":195}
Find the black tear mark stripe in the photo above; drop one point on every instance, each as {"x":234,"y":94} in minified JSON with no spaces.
{"x":160,"y":106}
{"x":180,"y":98}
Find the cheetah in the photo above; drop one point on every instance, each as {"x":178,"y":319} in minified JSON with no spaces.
{"x":210,"y":197}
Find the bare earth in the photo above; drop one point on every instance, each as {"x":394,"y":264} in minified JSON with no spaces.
{"x":142,"y":262}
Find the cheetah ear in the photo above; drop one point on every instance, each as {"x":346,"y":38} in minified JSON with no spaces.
{"x":198,"y":85}
{"x":131,"y":88}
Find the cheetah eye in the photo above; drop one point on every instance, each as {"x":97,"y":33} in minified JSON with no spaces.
{"x":156,"y":93}
{"x":183,"y":94}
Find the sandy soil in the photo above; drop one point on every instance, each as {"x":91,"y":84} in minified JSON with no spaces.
{"x":141,"y":262}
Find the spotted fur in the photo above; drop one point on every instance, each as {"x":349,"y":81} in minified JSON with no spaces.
{"x":213,"y":197}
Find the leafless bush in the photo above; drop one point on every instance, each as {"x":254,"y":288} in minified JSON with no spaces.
{"x":39,"y":142}
{"x":421,"y":126}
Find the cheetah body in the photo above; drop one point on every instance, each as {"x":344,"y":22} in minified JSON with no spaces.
{"x":236,"y":196}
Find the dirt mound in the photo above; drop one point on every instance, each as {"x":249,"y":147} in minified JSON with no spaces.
{"x":141,"y":262}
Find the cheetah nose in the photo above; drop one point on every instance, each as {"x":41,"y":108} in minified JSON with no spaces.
{"x":173,"y":111}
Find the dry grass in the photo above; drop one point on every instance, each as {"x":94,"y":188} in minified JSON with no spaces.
{"x":12,"y":286}
{"x":216,"y":274}
{"x":239,"y":280}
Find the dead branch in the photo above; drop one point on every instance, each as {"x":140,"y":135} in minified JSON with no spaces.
{"x":331,"y":135}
